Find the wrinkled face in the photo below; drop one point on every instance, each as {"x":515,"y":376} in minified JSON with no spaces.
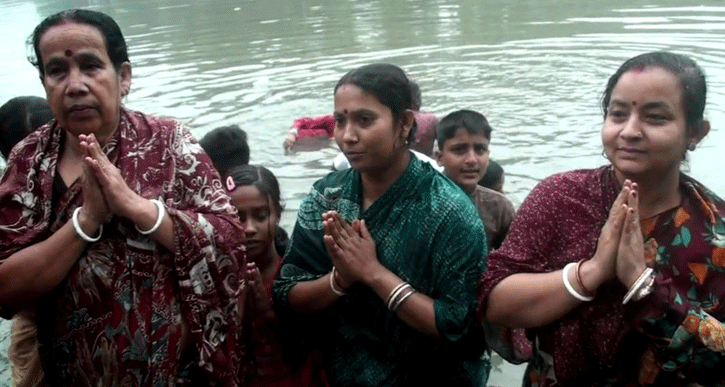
{"x":464,"y":158}
{"x":258,"y":217}
{"x":82,"y":86}
{"x":644,"y":131}
{"x":365,"y":130}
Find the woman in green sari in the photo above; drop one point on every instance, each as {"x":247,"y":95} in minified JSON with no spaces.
{"x":384,"y":258}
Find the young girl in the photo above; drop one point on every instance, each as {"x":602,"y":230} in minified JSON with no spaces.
{"x":255,"y":193}
{"x":384,"y":256}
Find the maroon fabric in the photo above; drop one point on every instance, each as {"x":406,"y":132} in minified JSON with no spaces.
{"x":603,"y":342}
{"x":131,"y":312}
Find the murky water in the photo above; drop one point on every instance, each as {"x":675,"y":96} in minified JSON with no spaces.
{"x":536,"y":69}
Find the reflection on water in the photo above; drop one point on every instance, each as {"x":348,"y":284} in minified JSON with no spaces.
{"x":535,"y":69}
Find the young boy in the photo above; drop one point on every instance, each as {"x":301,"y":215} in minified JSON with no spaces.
{"x":463,"y":140}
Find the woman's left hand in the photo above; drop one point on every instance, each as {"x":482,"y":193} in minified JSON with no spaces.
{"x":120,"y":198}
{"x":630,"y":257}
{"x":351,"y":249}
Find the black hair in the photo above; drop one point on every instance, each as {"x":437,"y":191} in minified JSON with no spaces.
{"x":389,"y":84}
{"x":265,"y":181}
{"x":110,"y":31}
{"x":473,"y":122}
{"x":227,"y":147}
{"x":493,"y":175}
{"x":690,"y":75}
{"x":20,"y":116}
{"x":416,"y":96}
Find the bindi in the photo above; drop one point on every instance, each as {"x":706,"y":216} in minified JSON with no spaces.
{"x":634,"y":103}
{"x":638,"y":68}
{"x":68,"y":53}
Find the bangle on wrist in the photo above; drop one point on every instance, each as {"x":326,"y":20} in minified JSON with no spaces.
{"x":579,"y":281}
{"x":159,"y":218}
{"x":398,"y":295}
{"x":567,"y":284}
{"x":340,"y":292}
{"x":641,"y":287}
{"x":79,"y":230}
{"x":406,"y":292}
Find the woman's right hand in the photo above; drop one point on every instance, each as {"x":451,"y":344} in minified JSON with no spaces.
{"x":604,"y":262}
{"x":94,"y":211}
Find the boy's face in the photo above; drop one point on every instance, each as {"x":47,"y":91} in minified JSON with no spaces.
{"x":464,"y":158}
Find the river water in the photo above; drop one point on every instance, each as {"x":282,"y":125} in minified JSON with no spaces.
{"x":536,"y":69}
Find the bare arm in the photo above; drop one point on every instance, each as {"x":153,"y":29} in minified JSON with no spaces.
{"x":416,"y":311}
{"x":312,"y":296}
{"x":529,"y":300}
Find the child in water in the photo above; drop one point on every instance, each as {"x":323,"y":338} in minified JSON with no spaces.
{"x":255,"y":193}
{"x":463,"y":141}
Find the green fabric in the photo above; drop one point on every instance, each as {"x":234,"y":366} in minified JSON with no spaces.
{"x":427,"y":232}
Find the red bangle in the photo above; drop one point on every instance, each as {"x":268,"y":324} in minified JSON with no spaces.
{"x":579,"y":278}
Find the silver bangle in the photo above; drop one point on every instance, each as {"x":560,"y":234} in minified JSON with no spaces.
{"x":395,"y":293}
{"x":159,"y":217}
{"x":79,"y":230}
{"x":637,"y":289}
{"x":567,"y":284}
{"x":402,"y":298}
{"x":339,"y":292}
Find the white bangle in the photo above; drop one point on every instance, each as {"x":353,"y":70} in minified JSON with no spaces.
{"x":339,"y":292}
{"x":567,"y":284}
{"x":635,"y":289}
{"x":79,"y":230}
{"x":159,"y":217}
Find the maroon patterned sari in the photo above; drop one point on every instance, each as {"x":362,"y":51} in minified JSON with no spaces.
{"x":130,"y":312}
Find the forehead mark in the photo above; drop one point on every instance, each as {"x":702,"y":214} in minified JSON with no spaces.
{"x":634,"y":103}
{"x":68,"y":53}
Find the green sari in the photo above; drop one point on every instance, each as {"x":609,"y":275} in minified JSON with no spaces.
{"x":427,"y":232}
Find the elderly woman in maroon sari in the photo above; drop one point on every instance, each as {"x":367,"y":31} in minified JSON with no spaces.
{"x":115,"y":227}
{"x":619,"y":271}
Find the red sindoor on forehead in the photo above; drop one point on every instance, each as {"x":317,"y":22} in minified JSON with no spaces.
{"x":68,"y":53}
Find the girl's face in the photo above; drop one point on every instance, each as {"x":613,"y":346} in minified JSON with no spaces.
{"x":365,"y":130}
{"x":645,"y":128}
{"x":259,"y":218}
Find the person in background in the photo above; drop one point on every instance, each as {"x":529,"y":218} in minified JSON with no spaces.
{"x":387,"y":312}
{"x":227,"y":147}
{"x":20,"y":116}
{"x":494,"y":177}
{"x":255,"y":193}
{"x":325,"y":126}
{"x":464,"y":137}
{"x":617,"y":271}
{"x":115,"y":227}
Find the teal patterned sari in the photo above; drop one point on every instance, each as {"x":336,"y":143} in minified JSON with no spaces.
{"x":427,"y":232}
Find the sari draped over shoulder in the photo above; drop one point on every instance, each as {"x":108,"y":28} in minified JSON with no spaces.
{"x":130,"y":312}
{"x":428,"y":233}
{"x":673,"y":337}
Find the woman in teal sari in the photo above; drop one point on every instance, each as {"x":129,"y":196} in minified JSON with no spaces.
{"x":383,"y":261}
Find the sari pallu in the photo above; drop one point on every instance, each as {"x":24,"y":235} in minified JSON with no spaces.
{"x":672,"y":337}
{"x":426,"y":231}
{"x":131,"y":312}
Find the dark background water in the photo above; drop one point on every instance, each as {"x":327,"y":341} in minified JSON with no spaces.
{"x":536,"y":69}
